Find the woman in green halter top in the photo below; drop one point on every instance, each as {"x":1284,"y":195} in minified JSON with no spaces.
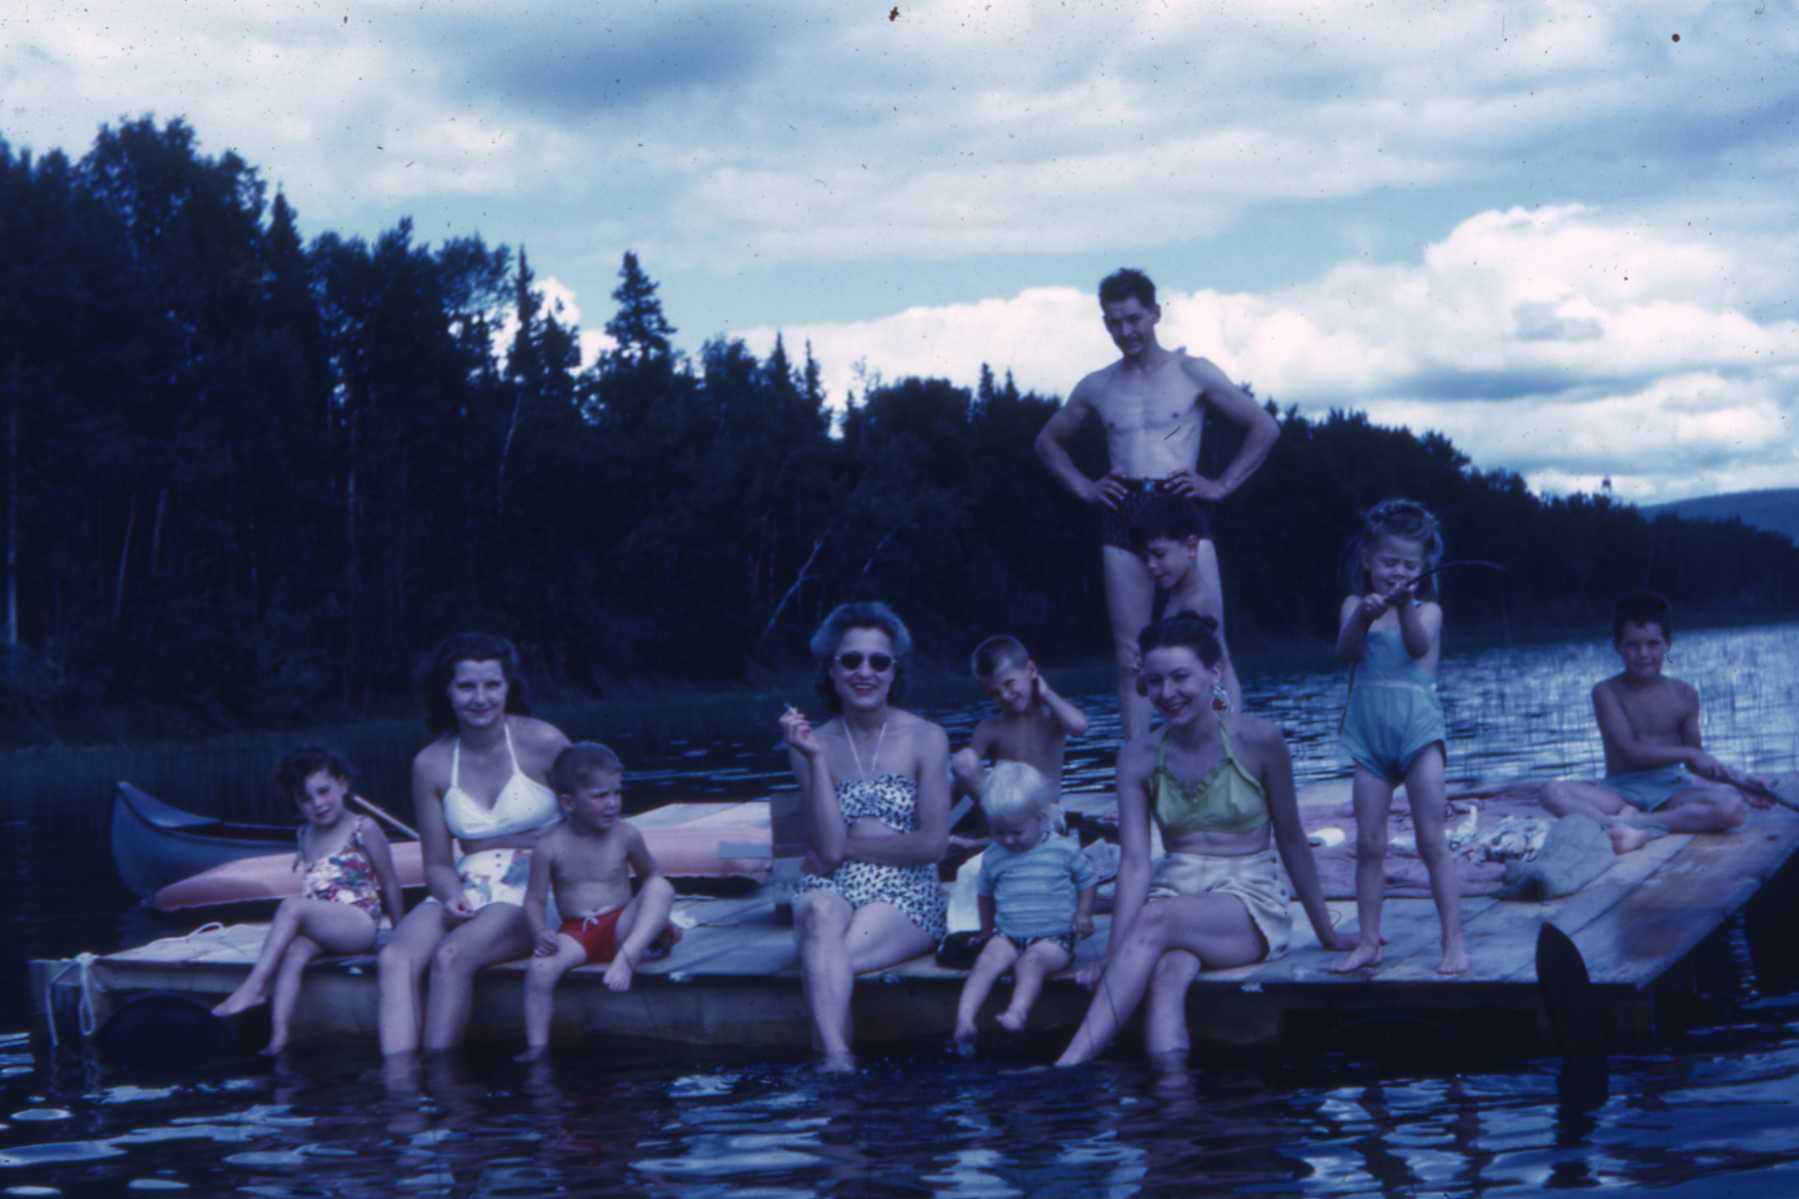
{"x":1221,"y":789}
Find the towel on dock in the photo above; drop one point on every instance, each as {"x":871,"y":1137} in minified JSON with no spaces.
{"x":1575,"y":852}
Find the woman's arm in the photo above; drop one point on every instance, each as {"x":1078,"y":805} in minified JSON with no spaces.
{"x":1133,"y":841}
{"x":434,"y":838}
{"x":1274,"y":766}
{"x":381,"y":859}
{"x":929,"y":837}
{"x":537,"y":896}
{"x":1353,"y":619}
{"x":813,"y":773}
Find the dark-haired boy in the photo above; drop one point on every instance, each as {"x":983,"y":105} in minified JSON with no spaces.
{"x":1657,"y":777}
{"x":588,"y":859}
{"x":1168,"y":534}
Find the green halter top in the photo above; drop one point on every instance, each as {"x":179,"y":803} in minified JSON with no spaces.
{"x":1228,"y":800}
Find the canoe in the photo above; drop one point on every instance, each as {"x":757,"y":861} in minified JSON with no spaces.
{"x":688,"y":841}
{"x":155,"y":844}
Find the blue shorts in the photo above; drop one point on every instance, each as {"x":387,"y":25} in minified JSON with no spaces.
{"x":1647,"y":790}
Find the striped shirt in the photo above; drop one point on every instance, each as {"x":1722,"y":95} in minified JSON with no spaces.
{"x":1033,"y":890}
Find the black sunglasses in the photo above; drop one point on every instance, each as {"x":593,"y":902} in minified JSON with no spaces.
{"x":879,"y":663}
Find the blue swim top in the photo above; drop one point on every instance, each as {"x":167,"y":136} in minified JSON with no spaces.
{"x":1228,"y":800}
{"x":1385,"y":660}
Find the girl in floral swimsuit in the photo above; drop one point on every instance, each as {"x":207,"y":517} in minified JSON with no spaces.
{"x":349,"y":878}
{"x":875,"y":785}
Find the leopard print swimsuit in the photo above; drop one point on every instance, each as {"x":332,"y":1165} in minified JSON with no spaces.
{"x":893,"y":800}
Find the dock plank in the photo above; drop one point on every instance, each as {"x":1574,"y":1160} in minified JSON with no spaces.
{"x":1660,"y":921}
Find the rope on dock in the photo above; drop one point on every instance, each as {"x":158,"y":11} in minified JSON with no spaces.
{"x":84,"y":1010}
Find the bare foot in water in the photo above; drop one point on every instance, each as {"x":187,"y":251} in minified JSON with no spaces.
{"x":837,"y":1063}
{"x":1362,"y":955}
{"x":965,"y":1037}
{"x":1011,"y":1020}
{"x":1455,"y":959}
{"x":274,"y":1049}
{"x":1627,"y":838}
{"x":240,"y":1000}
{"x":533,"y":1055}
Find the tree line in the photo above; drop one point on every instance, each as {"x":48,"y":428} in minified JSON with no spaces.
{"x":248,"y":477}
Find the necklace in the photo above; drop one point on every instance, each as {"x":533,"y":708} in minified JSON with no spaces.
{"x":875,"y":758}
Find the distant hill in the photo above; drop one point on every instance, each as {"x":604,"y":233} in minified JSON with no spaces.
{"x":1776,"y":509}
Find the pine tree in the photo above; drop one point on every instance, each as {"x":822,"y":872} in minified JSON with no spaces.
{"x":639,"y":328}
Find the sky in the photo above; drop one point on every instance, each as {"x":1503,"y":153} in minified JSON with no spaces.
{"x":1561,"y":234}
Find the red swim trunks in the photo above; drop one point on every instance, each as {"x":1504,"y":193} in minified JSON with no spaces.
{"x":598,"y":935}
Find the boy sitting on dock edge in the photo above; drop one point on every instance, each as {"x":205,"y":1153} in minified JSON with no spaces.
{"x":588,"y":860}
{"x":1649,"y":724}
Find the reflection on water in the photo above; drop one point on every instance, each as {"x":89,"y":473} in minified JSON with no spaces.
{"x":1711,"y":1114}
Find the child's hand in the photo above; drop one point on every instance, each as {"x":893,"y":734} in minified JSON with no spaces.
{"x":1089,"y":975}
{"x":796,"y":730}
{"x":544,"y":944}
{"x":457,"y":911}
{"x":1370,"y":608}
{"x":1083,"y":925}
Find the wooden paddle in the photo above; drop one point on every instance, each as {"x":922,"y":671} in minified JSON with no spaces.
{"x":382,"y":815}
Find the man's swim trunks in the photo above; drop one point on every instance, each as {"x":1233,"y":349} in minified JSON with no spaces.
{"x":1115,"y":523}
{"x":1647,"y":790}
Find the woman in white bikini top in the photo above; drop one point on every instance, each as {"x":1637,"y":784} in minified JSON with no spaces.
{"x":475,"y":700}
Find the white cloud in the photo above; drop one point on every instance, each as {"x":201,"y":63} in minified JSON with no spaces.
{"x":1559,"y":342}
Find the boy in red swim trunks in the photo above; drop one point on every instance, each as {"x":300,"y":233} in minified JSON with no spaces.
{"x":589,"y":859}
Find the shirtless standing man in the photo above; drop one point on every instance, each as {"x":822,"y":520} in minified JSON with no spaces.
{"x":1152,"y":402}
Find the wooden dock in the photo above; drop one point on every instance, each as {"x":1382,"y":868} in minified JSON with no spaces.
{"x":733,"y":980}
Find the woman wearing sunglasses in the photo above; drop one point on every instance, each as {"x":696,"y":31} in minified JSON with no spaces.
{"x":875,"y":783}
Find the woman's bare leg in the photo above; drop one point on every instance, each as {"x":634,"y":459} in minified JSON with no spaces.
{"x":820,"y":921}
{"x":401,"y":966}
{"x":497,"y":933}
{"x":1165,"y":1007}
{"x":1216,"y":929}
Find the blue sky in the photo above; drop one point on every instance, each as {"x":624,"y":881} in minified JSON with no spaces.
{"x":1552,"y":231}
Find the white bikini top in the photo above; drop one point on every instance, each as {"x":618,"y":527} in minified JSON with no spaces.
{"x":523,"y":805}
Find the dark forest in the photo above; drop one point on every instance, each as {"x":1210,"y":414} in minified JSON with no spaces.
{"x":249,"y":477}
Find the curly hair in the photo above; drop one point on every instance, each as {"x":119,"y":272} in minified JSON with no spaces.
{"x":1403,"y":518}
{"x":432,"y":678}
{"x":872,"y":614}
{"x":1187,"y":629}
{"x":301,"y":764}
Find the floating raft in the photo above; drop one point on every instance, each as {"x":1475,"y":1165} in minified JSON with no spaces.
{"x":733,"y":979}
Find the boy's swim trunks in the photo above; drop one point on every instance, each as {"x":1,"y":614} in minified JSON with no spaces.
{"x":597,"y":934}
{"x":1647,"y":790}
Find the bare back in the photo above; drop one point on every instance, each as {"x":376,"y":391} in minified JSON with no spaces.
{"x":1152,"y":416}
{"x":591,"y":873}
{"x":1665,"y":713}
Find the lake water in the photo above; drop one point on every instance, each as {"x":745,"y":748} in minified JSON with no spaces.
{"x":1419,"y":1113}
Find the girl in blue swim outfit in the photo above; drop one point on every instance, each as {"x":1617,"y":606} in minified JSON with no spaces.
{"x":1390,"y":634}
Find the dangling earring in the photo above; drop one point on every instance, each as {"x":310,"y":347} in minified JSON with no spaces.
{"x":1221,"y":699}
